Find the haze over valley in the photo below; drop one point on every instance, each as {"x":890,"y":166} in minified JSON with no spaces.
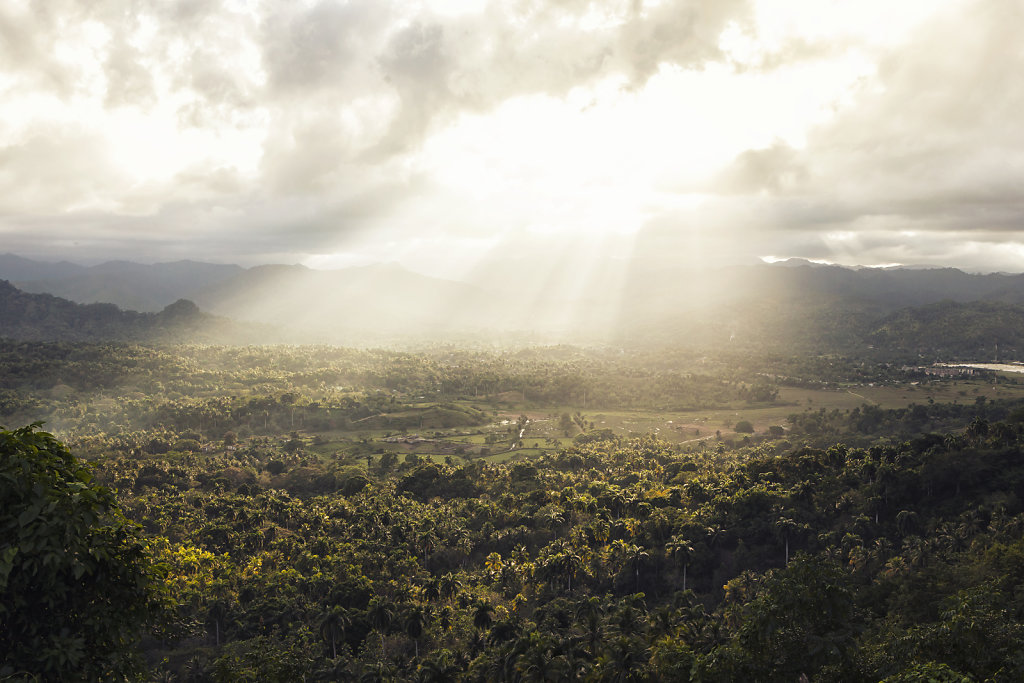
{"x":515,"y":341}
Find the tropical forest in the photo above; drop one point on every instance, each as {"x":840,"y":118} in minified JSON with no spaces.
{"x":187,"y":512}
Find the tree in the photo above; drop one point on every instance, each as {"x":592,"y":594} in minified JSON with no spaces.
{"x":332,"y":627}
{"x":744,"y":427}
{"x":78,"y":586}
{"x":482,"y":615}
{"x":590,"y":613}
{"x":801,"y":619}
{"x":567,"y":562}
{"x":414,"y":623}
{"x":681,"y":548}
{"x":638,"y":555}
{"x":439,"y":669}
{"x":784,"y":528}
{"x":449,"y":586}
{"x":380,"y":613}
{"x":565,"y":423}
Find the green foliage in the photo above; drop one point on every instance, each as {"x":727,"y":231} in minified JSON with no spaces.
{"x":337,"y":539}
{"x":744,"y":427}
{"x":798,"y":620}
{"x":76,"y":580}
{"x":953,"y":328}
{"x":928,"y":672}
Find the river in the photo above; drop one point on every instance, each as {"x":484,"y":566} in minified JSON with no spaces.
{"x":994,"y":367}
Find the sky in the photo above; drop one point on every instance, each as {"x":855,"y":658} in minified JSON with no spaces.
{"x":451,"y":134}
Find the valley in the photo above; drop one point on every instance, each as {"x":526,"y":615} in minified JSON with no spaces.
{"x":344,"y":513}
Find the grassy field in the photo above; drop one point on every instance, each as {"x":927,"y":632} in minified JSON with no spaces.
{"x":543,"y":435}
{"x":684,"y":426}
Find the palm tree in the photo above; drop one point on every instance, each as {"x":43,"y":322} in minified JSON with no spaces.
{"x":332,"y":627}
{"x":494,"y":565}
{"x":622,"y":661}
{"x":627,"y":619}
{"x":590,"y":613}
{"x":450,"y":586}
{"x":916,"y":551}
{"x":439,"y":669}
{"x":482,"y":615}
{"x":534,"y":664}
{"x":432,"y":590}
{"x":380,"y":613}
{"x":663,"y":619}
{"x":217,"y":611}
{"x":503,"y":631}
{"x":601,"y":530}
{"x":906,"y":520}
{"x":567,"y":562}
{"x":785,"y":527}
{"x":680,"y":547}
{"x":414,"y":622}
{"x":425,"y":535}
{"x":444,"y":619}
{"x":164,"y":676}
{"x":638,"y":555}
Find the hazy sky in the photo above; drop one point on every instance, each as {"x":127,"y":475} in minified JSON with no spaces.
{"x":446,"y":132}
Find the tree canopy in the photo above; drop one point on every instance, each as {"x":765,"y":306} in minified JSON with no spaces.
{"x":77,"y":583}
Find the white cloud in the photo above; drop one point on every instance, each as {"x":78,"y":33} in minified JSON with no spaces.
{"x":248,"y":129}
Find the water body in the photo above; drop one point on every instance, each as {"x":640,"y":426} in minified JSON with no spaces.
{"x":994,"y":367}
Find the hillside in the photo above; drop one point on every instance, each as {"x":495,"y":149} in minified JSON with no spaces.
{"x":43,"y":317}
{"x":951,"y":328}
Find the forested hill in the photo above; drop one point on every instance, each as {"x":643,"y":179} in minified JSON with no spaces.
{"x":829,"y":309}
{"x":43,"y":317}
{"x":950,"y":328}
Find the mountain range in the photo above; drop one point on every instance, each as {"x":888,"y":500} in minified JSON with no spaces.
{"x":43,"y":317}
{"x":129,"y":285}
{"x":788,"y":303}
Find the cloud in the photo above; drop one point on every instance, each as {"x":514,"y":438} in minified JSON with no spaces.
{"x":151,"y":105}
{"x":59,"y":168}
{"x":929,"y":154}
{"x":289,"y":128}
{"x":775,"y":169}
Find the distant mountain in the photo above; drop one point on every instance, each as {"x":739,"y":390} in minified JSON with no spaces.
{"x":133,"y":286}
{"x":15,"y":268}
{"x":798,"y":306}
{"x":798,"y":262}
{"x":378,"y":303}
{"x":355,"y":302}
{"x":43,"y":317}
{"x":791,"y":304}
{"x":884,"y":289}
